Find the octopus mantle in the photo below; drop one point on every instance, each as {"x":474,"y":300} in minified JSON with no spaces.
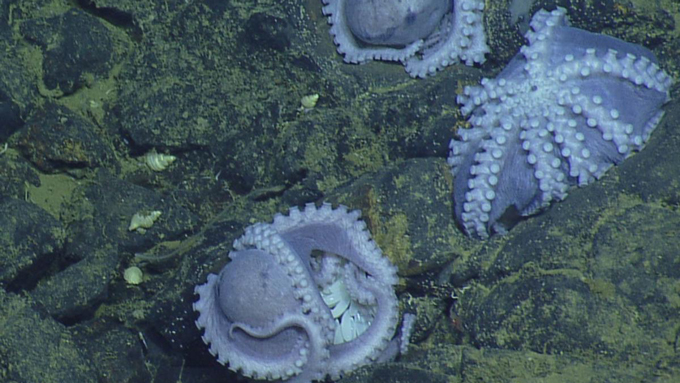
{"x":307,"y":296}
{"x":425,"y":35}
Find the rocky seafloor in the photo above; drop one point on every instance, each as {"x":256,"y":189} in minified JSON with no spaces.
{"x":90,"y":91}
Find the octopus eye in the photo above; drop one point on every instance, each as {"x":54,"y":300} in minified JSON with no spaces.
{"x":410,"y":18}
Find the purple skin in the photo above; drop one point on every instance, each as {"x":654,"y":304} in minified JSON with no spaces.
{"x":270,"y":287}
{"x":424,"y":35}
{"x":265,"y":316}
{"x":539,"y":127}
{"x":394,"y":23}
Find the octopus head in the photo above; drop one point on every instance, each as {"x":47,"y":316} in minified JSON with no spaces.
{"x":394,"y":22}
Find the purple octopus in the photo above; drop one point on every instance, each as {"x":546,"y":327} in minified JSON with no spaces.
{"x":566,"y":108}
{"x":425,"y":35}
{"x":307,"y":296}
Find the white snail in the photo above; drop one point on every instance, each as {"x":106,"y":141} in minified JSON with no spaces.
{"x":140,"y":221}
{"x":158,"y":161}
{"x":133,"y":275}
{"x":309,"y":102}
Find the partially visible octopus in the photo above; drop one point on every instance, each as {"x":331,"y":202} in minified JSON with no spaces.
{"x":425,"y":35}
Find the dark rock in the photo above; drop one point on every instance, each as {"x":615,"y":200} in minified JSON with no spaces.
{"x":98,"y":237}
{"x":4,"y":15}
{"x":117,"y":351}
{"x":418,"y":120}
{"x":543,"y":314}
{"x":75,"y":45}
{"x":505,"y":23}
{"x":265,"y":31}
{"x":638,"y":261}
{"x":35,"y":348}
{"x":395,"y":373}
{"x":77,"y":291}
{"x":16,"y":174}
{"x":504,"y":366}
{"x":217,"y":107}
{"x":113,"y":15}
{"x":10,"y":115}
{"x":18,"y":90}
{"x":641,"y":253}
{"x":55,"y":138}
{"x":124,"y":13}
{"x":300,"y":193}
{"x":407,"y":208}
{"x":653,"y":174}
{"x":31,"y":240}
{"x":555,"y":313}
{"x":110,"y":205}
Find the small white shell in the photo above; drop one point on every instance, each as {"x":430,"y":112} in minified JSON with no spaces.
{"x":141,"y":221}
{"x":309,"y":102}
{"x":133,"y":275}
{"x":158,"y":161}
